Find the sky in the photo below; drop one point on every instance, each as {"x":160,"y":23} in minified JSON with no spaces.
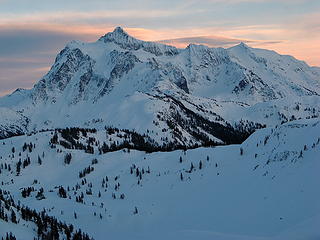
{"x":32,"y":32}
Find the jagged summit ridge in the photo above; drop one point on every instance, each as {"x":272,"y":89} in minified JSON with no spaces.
{"x":118,"y":35}
{"x":123,"y":39}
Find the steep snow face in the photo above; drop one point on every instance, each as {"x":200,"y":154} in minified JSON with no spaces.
{"x":119,"y":77}
{"x":12,"y":123}
{"x":266,"y":188}
{"x":284,"y":76}
{"x":87,"y":72}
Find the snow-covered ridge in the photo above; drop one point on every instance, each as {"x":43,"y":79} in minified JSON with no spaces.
{"x":265,"y":188}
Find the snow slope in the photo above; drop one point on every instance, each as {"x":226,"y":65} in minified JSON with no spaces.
{"x":12,"y":123}
{"x":265,"y":188}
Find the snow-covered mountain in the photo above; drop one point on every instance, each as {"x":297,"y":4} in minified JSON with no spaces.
{"x":182,"y":95}
{"x":122,"y":138}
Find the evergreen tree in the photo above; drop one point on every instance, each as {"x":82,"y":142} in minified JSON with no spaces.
{"x":135,"y":210}
{"x":13,"y":217}
{"x":67,"y":158}
{"x":39,"y":160}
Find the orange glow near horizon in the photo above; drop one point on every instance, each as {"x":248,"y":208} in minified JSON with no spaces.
{"x":306,"y":49}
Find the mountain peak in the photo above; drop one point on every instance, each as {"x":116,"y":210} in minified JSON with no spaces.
{"x":125,"y":41}
{"x":118,"y":35}
{"x":119,"y":30}
{"x":243,"y":45}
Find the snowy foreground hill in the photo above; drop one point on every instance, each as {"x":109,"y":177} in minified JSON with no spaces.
{"x":127,"y":139}
{"x":265,"y":188}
